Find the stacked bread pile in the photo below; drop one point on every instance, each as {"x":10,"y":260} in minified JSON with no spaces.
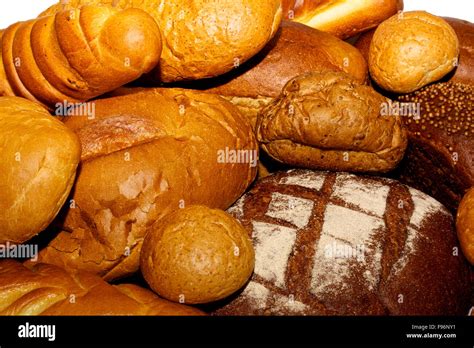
{"x":130,"y":134}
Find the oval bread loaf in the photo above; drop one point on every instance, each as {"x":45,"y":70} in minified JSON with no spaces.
{"x":330,"y":121}
{"x":38,"y":161}
{"x":145,"y":155}
{"x":340,"y":244}
{"x":202,"y":38}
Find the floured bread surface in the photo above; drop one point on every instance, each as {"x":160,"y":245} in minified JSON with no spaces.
{"x":341,"y":244}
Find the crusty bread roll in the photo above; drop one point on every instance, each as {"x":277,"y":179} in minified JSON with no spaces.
{"x":412,"y":49}
{"x":145,"y":155}
{"x":342,"y":18}
{"x":464,"y":72}
{"x":341,"y":244}
{"x":79,"y":54}
{"x":38,"y":161}
{"x":197,"y":255}
{"x":296,"y":49}
{"x":49,"y":290}
{"x":330,"y":121}
{"x":203,"y":38}
{"x":440,"y":156}
{"x":465,"y":225}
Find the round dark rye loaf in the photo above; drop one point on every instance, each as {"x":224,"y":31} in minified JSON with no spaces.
{"x":340,"y":244}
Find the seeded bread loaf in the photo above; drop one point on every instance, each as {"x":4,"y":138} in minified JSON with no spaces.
{"x":340,"y":244}
{"x":143,"y":156}
{"x":49,"y":290}
{"x":440,"y":154}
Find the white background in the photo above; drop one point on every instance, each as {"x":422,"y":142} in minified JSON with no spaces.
{"x":12,"y":11}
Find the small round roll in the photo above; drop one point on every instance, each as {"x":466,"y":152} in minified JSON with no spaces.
{"x":412,"y":49}
{"x":197,"y":255}
{"x":465,"y":225}
{"x":38,"y":161}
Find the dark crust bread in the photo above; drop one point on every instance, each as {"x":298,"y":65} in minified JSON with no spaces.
{"x":413,"y":237}
{"x":296,"y":49}
{"x":440,"y":154}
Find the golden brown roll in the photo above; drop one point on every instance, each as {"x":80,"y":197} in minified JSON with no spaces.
{"x":464,"y":72}
{"x":202,"y":38}
{"x":412,"y":49}
{"x":342,"y":18}
{"x":465,"y":225}
{"x":78,"y":54}
{"x":49,"y":290}
{"x":330,"y":121}
{"x":197,"y":255}
{"x":145,"y":155}
{"x":38,"y":161}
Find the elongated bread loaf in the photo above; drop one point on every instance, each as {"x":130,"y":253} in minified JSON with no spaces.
{"x":342,"y":18}
{"x":79,"y":54}
{"x":38,"y":161}
{"x":202,"y":38}
{"x":143,"y":156}
{"x":49,"y":290}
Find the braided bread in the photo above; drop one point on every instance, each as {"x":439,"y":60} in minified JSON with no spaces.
{"x":49,"y":290}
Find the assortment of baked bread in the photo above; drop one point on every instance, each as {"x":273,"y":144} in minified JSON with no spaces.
{"x":236,"y":158}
